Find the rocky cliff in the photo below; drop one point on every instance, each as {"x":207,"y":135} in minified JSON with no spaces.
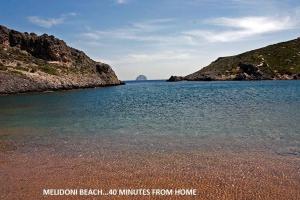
{"x":29,"y":62}
{"x":275,"y":62}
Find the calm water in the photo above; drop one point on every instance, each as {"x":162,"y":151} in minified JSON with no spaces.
{"x":262,"y":112}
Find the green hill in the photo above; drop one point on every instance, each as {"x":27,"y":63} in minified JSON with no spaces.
{"x":275,"y":62}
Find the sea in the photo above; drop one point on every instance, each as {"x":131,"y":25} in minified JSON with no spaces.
{"x":234,"y":115}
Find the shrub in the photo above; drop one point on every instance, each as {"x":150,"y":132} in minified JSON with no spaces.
{"x":49,"y":70}
{"x":3,"y":68}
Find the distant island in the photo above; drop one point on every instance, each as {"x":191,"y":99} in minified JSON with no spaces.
{"x":275,"y":62}
{"x":29,"y":62}
{"x":141,"y":78}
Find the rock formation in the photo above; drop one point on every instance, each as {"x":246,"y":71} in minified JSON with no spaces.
{"x":141,"y":78}
{"x":29,"y":62}
{"x":275,"y":62}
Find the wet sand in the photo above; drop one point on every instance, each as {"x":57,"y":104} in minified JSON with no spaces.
{"x":218,"y":169}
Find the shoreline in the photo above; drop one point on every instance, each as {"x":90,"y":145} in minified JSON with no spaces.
{"x":61,"y":89}
{"x":208,"y":79}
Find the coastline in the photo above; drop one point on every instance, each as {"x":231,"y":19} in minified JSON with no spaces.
{"x":182,"y":78}
{"x":62,"y":89}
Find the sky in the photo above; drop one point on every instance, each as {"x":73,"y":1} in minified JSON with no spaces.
{"x":157,"y":38}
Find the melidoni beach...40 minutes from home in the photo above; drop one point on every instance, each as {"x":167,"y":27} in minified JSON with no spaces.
{"x":111,"y":100}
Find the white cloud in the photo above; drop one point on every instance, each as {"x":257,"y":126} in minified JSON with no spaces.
{"x":50,"y":22}
{"x":121,"y":1}
{"x":144,"y":31}
{"x":153,"y":25}
{"x":154,"y":56}
{"x":46,"y":23}
{"x":165,"y":31}
{"x":241,"y":28}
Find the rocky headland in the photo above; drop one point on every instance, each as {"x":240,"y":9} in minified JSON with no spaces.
{"x":29,"y":63}
{"x":275,"y":62}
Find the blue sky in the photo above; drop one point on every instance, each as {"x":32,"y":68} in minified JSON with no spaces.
{"x":157,"y":38}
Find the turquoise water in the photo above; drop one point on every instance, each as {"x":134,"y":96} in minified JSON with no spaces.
{"x":258,"y":112}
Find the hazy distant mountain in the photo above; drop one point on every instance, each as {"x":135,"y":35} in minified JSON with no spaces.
{"x":29,"y":62}
{"x":279,"y":61}
{"x":141,"y":78}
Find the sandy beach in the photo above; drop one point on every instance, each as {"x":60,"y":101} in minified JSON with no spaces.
{"x":126,"y":161}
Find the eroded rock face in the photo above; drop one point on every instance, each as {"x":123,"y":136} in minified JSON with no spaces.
{"x":4,"y":36}
{"x":251,"y":72}
{"x":29,"y":62}
{"x":175,"y":78}
{"x":44,"y":47}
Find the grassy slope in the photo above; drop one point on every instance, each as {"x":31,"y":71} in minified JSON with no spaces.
{"x":282,"y":58}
